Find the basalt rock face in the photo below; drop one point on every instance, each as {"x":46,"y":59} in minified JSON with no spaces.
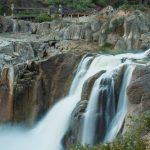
{"x":138,"y":93}
{"x":127,"y":31}
{"x":121,"y":30}
{"x":14,"y":50}
{"x":138,"y":90}
{"x":74,"y":134}
{"x":27,"y":91}
{"x":134,"y":26}
{"x":6,"y":94}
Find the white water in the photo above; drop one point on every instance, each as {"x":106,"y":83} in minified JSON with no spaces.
{"x":113,"y":127}
{"x":47,"y":135}
{"x":92,"y":109}
{"x":117,"y":121}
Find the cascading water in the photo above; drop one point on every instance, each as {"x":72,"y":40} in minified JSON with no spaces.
{"x":117,"y":121}
{"x":102,"y":97}
{"x":49,"y":132}
{"x":102,"y":120}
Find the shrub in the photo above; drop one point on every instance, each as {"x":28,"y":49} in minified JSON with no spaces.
{"x":117,"y":27}
{"x":42,"y":18}
{"x":132,"y":7}
{"x":106,"y":47}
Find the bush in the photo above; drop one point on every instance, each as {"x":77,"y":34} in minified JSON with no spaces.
{"x":133,"y":7}
{"x":117,"y":27}
{"x":102,"y":3}
{"x":42,"y":18}
{"x":106,"y":47}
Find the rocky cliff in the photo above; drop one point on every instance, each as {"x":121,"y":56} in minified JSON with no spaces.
{"x":111,"y":29}
{"x":28,"y":90}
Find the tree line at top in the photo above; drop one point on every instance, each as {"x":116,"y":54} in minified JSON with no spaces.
{"x":87,"y":4}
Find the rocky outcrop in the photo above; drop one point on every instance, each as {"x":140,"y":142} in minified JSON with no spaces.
{"x":6,"y":94}
{"x":122,"y":30}
{"x":138,"y":90}
{"x":31,"y":89}
{"x":128,"y":31}
{"x":84,"y":31}
{"x":88,"y":85}
{"x":135,"y":25}
{"x":138,"y":93}
{"x":25,"y":47}
{"x":6,"y":25}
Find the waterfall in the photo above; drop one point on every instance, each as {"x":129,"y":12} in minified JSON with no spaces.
{"x":53,"y":127}
{"x":98,"y":110}
{"x":49,"y":132}
{"x":102,"y":120}
{"x":117,"y":121}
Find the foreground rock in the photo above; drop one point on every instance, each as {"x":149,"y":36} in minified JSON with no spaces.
{"x":138,"y":93}
{"x":28,"y":90}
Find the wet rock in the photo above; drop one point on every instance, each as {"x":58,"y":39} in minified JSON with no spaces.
{"x":87,"y":87}
{"x":74,"y":134}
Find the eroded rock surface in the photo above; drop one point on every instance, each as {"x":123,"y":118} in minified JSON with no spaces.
{"x":31,"y":89}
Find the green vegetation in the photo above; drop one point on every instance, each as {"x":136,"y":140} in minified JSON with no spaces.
{"x":116,"y":26}
{"x":131,"y":140}
{"x":84,"y":5}
{"x":106,"y":47}
{"x":42,"y":17}
{"x":133,"y":7}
